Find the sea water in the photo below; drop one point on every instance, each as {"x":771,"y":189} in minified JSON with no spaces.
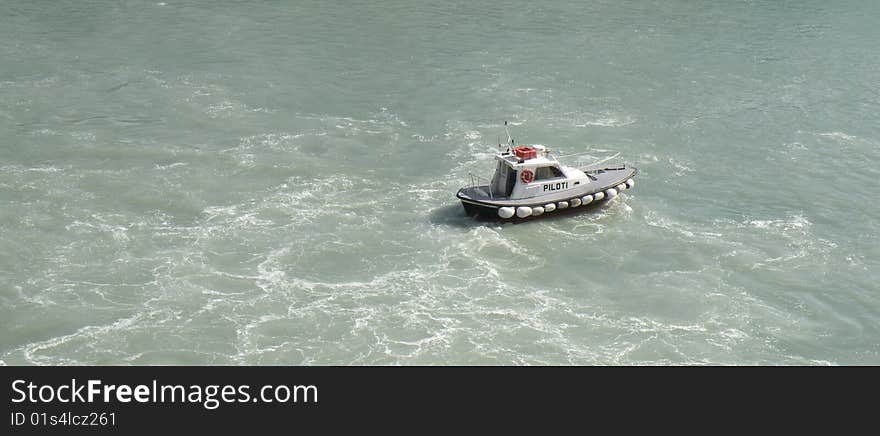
{"x":273,"y":182}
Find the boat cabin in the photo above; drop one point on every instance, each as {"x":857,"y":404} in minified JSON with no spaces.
{"x":530,"y":171}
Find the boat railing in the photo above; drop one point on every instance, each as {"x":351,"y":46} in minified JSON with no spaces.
{"x":477,"y":181}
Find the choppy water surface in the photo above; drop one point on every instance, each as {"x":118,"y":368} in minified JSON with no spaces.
{"x":203,"y":182}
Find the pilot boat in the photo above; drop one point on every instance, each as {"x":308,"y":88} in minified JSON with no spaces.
{"x":529,"y":182}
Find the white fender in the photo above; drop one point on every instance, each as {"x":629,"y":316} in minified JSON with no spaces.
{"x":562,"y":204}
{"x":549,"y":207}
{"x":621,"y":187}
{"x":575,"y":202}
{"x":537,"y":210}
{"x":506,"y":212}
{"x":523,"y":211}
{"x":630,"y":183}
{"x":587,"y":199}
{"x":611,"y":192}
{"x":598,"y":196}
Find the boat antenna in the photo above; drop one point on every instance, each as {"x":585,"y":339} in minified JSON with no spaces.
{"x":509,"y":139}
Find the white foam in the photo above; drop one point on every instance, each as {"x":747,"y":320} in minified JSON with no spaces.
{"x":427,"y":195}
{"x":654,"y":219}
{"x":32,"y":351}
{"x":45,"y":170}
{"x":607,"y":122}
{"x":170,"y":166}
{"x":838,"y":136}
{"x":422,"y":138}
{"x":794,"y":222}
{"x":681,"y":168}
{"x":472,"y":135}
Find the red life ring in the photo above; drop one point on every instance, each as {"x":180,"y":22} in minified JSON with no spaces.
{"x":527,"y":176}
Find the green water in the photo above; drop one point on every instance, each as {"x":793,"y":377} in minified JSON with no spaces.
{"x":272,"y":182}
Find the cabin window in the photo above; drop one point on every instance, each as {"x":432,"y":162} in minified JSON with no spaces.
{"x":544,"y":173}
